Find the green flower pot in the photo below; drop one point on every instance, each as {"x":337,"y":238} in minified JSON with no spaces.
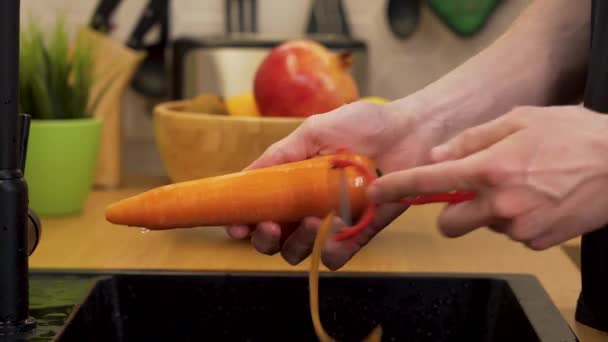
{"x":61,"y":163}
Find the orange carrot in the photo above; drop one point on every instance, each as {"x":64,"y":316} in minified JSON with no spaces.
{"x":281,"y":193}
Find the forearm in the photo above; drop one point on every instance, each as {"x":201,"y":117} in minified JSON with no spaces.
{"x":541,"y":60}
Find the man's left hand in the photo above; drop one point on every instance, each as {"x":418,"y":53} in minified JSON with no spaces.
{"x":540,"y":174}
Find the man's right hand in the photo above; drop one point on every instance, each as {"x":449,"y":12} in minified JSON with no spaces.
{"x":394,"y":135}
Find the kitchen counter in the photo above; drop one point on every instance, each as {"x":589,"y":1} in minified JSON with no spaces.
{"x":411,"y":244}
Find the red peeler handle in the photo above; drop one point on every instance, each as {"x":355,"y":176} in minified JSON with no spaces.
{"x":448,"y":197}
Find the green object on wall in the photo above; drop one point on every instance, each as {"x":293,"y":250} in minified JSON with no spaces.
{"x":464,"y":17}
{"x":61,"y":163}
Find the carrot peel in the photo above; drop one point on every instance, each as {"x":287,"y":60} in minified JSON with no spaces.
{"x":313,"y":285}
{"x":313,"y":278}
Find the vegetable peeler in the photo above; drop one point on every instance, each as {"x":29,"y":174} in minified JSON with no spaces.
{"x":345,"y":209}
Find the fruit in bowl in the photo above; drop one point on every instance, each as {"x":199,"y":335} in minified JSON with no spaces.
{"x":300,"y":78}
{"x":297,"y":79}
{"x":242,"y":105}
{"x":214,"y":134}
{"x":195,"y":145}
{"x":206,"y":103}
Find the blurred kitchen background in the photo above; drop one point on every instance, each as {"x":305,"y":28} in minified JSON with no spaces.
{"x":394,"y":66}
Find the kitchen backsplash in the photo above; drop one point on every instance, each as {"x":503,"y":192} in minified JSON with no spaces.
{"x":396,"y":67}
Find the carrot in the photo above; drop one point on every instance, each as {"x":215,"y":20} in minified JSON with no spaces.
{"x":281,"y":193}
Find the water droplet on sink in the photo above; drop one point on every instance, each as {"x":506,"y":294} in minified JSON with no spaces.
{"x":144,"y":230}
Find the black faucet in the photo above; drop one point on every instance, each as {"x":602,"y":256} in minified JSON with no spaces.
{"x":19,"y":227}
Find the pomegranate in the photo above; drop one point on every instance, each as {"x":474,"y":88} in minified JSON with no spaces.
{"x":301,"y":77}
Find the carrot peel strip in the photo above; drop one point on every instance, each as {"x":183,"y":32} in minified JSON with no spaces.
{"x":313,"y":279}
{"x":313,"y":284}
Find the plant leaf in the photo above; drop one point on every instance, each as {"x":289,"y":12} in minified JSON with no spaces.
{"x":42,"y":98}
{"x":56,"y":79}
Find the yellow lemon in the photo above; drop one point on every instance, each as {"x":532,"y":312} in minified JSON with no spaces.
{"x":375,"y":99}
{"x":242,"y":105}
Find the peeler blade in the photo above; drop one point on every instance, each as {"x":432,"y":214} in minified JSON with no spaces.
{"x":345,"y":209}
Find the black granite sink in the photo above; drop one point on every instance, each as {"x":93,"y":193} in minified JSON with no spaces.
{"x":184,"y":306}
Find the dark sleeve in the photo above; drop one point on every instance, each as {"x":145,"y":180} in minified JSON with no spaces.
{"x":592,"y":306}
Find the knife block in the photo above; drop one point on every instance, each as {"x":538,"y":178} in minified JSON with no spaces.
{"x":116,"y":63}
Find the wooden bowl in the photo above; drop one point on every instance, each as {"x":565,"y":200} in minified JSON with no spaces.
{"x":195,"y":145}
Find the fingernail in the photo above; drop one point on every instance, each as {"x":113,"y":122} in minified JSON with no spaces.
{"x":292,"y":260}
{"x":266,"y":238}
{"x":373,"y":192}
{"x":270,"y":247}
{"x":440,"y":153}
{"x":238,"y":232}
{"x":291,"y":257}
{"x":275,"y":238}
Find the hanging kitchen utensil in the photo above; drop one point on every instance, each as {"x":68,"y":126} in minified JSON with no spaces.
{"x":241,"y":16}
{"x":328,"y":16}
{"x":101,"y":19}
{"x":464,"y":17}
{"x":151,"y":78}
{"x":403,"y":17}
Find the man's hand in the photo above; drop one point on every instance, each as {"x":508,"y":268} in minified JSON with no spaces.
{"x":395,"y":135}
{"x":541,"y":176}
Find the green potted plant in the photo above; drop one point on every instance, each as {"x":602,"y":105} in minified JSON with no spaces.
{"x":55,"y":82}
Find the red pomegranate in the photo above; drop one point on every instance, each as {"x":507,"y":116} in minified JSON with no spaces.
{"x":300,"y":78}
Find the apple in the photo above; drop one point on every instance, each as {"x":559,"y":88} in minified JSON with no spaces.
{"x":301,"y":77}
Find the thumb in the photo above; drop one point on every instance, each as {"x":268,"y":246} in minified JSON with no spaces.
{"x":295,"y":147}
